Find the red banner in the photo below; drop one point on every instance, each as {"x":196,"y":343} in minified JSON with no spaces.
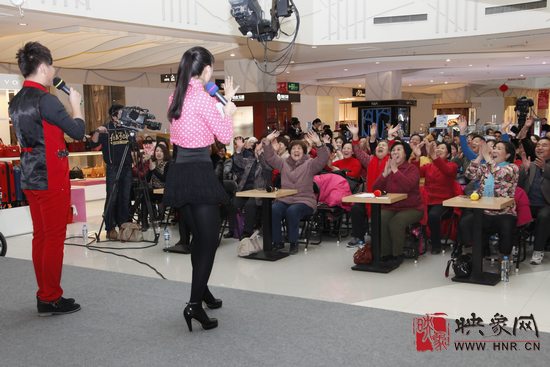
{"x":543,"y":99}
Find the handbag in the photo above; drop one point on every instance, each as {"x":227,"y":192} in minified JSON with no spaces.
{"x":249,"y":245}
{"x":130,"y":232}
{"x":462,"y":266}
{"x":76,"y":173}
{"x":9,"y":151}
{"x":363,"y":255}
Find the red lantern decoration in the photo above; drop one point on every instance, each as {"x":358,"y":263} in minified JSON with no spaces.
{"x":503,"y":88}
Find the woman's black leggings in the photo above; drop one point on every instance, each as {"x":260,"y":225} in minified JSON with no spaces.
{"x":204,"y":222}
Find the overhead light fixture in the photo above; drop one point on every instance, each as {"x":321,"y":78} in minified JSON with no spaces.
{"x":345,"y":69}
{"x":544,"y":63}
{"x":470,"y":65}
{"x":448,"y":60}
{"x":288,"y":72}
{"x":378,"y":62}
{"x":232,"y":54}
{"x":431,"y":80}
{"x":527,"y":57}
{"x":313,"y":46}
{"x":359,"y":85}
{"x":441,"y":72}
{"x":521,"y":75}
{"x":292,"y":61}
{"x":446,"y":83}
{"x":23,"y":24}
{"x":410,"y":85}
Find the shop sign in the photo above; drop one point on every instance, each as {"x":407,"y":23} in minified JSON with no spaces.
{"x":10,"y":81}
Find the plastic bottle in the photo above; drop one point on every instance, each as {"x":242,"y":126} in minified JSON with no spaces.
{"x":505,"y":269}
{"x":85,"y":233}
{"x":166,"y":237}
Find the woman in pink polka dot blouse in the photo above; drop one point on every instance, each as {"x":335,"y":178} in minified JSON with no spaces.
{"x":191,"y":186}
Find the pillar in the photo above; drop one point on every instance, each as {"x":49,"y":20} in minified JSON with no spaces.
{"x":383,"y":86}
{"x":250,"y":78}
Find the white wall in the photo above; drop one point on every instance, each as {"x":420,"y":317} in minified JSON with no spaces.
{"x":490,"y":106}
{"x":306,"y":110}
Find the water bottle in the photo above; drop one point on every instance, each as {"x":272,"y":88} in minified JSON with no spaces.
{"x":166,"y":238}
{"x":85,"y":233}
{"x":505,"y":269}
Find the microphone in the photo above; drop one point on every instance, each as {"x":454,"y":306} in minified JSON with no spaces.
{"x":213,"y":89}
{"x":60,"y":84}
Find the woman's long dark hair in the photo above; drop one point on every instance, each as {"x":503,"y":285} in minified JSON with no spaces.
{"x":192,"y":64}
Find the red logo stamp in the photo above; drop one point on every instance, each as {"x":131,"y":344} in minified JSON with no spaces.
{"x":431,"y":332}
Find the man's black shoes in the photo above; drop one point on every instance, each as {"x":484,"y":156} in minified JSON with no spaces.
{"x":60,"y":307}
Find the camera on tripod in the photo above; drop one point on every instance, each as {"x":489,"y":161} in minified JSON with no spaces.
{"x":138,"y":118}
{"x":523,"y":106}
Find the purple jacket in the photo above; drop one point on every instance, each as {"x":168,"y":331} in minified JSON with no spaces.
{"x":405,"y":181}
{"x":298,"y":175}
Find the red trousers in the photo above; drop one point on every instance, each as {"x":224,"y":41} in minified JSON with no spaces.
{"x":49,"y":211}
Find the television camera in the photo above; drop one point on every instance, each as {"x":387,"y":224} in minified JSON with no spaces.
{"x":249,"y":16}
{"x":138,"y":118}
{"x":523,"y":106}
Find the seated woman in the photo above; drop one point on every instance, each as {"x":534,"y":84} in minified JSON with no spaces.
{"x":374,"y":166}
{"x":498,"y":177}
{"x":156,"y":177}
{"x":256,"y":175}
{"x":297,"y":173}
{"x":399,"y":176}
{"x":348,"y":163}
{"x":439,"y":176}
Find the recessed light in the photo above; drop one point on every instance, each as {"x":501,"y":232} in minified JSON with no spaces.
{"x":378,"y":62}
{"x":410,"y":85}
{"x":431,"y":80}
{"x":446,"y":83}
{"x":346,"y":69}
{"x":23,"y":24}
{"x":527,"y":57}
{"x":359,"y":85}
{"x":232,"y":54}
{"x":292,"y":61}
{"x":288,"y":72}
{"x":470,"y":65}
{"x":544,"y":63}
{"x":521,"y":75}
{"x":448,"y":60}
{"x":313,"y":46}
{"x":441,"y":72}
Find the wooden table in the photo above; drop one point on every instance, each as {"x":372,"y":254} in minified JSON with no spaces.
{"x":478,"y":276}
{"x":376,"y":265}
{"x":267,"y":197}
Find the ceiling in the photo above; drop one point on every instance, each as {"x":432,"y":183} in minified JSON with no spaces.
{"x":427,"y":66}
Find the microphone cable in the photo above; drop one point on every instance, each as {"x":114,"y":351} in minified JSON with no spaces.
{"x":104,"y":248}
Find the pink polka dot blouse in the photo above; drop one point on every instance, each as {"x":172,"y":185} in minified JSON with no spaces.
{"x":200,"y":120}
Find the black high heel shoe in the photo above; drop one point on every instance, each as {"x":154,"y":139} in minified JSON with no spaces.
{"x":211,"y":302}
{"x":195,"y":311}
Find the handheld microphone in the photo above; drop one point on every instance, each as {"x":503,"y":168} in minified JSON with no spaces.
{"x":213,"y":89}
{"x":60,"y":84}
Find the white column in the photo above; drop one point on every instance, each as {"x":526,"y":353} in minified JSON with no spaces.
{"x":383,"y":86}
{"x":250,"y":78}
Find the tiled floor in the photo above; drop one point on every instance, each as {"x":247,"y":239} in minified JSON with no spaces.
{"x":324,"y":273}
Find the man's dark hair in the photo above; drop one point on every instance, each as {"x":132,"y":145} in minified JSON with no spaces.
{"x":284,"y":141}
{"x":317,"y":120}
{"x":30,"y":56}
{"x":294,"y":121}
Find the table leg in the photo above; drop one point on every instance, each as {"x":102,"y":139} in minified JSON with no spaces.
{"x":267,"y":254}
{"x":376,"y":266}
{"x":478,"y":276}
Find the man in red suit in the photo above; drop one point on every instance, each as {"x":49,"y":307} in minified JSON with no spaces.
{"x":40,"y":122}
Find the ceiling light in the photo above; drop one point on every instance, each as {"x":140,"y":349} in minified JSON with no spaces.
{"x":448,"y":60}
{"x":378,"y":62}
{"x":410,"y":85}
{"x":431,"y":80}
{"x":232,"y":54}
{"x":441,"y":72}
{"x":521,"y":75}
{"x":446,"y":83}
{"x":470,"y":65}
{"x":23,"y":24}
{"x":346,"y":69}
{"x":292,"y":61}
{"x":313,"y":46}
{"x":288,"y":72}
{"x":526,"y":57}
{"x":544,"y":63}
{"x":359,"y":85}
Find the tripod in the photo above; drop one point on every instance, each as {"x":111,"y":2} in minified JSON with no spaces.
{"x":142,"y":185}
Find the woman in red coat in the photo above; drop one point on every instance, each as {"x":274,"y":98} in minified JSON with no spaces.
{"x":440,"y":176}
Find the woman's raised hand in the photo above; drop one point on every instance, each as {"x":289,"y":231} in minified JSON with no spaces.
{"x":314,"y":137}
{"x":272,"y":136}
{"x":354,"y":130}
{"x":229,"y":89}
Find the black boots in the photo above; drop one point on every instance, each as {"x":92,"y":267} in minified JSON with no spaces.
{"x":62,"y":306}
{"x":211,"y":302}
{"x":195,"y":311}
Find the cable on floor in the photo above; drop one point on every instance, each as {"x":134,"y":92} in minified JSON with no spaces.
{"x":102,"y":249}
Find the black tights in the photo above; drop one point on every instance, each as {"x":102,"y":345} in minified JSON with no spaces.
{"x":204,"y":222}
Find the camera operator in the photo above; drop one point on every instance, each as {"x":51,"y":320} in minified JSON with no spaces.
{"x":114,"y":137}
